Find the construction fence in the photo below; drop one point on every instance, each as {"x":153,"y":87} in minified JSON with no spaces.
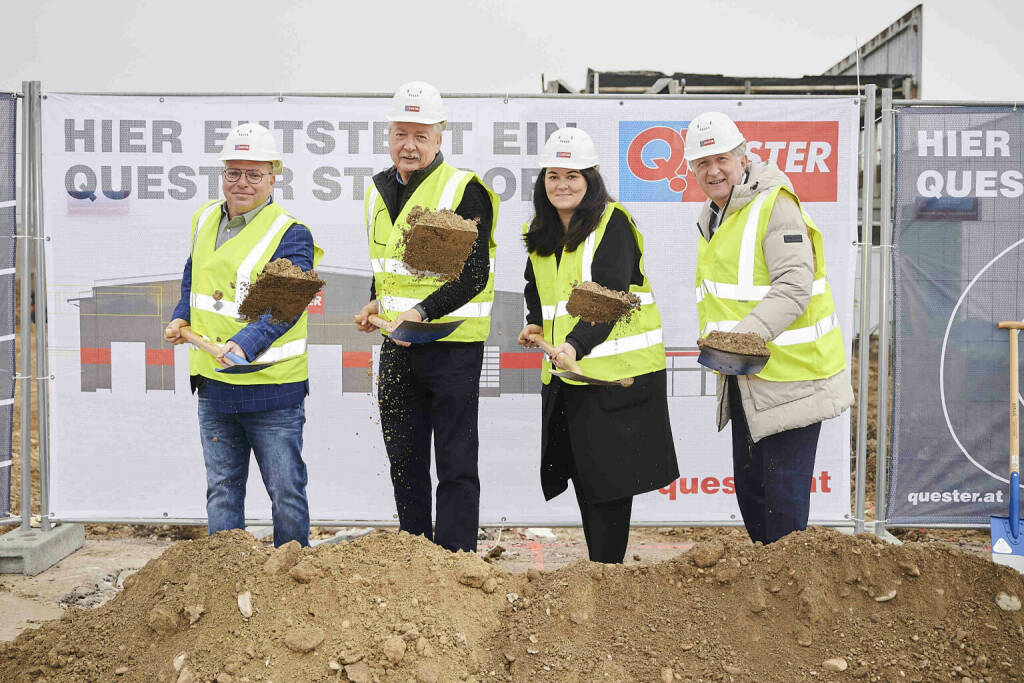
{"x":123,"y":174}
{"x":8,"y":209}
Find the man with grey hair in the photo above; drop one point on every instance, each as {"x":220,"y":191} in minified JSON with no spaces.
{"x":761,"y":269}
{"x":429,"y":390}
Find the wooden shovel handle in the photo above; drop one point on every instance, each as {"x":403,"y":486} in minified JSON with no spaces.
{"x":379,"y":322}
{"x":196,"y":340}
{"x":571,"y":366}
{"x":1011,"y":325}
{"x":1015,"y":329}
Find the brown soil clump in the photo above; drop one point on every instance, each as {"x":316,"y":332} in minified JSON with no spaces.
{"x":437,"y":243}
{"x":592,"y":303}
{"x":283,"y":289}
{"x":744,"y":343}
{"x":396,"y":607}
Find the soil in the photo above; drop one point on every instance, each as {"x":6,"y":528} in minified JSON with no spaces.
{"x":593,"y":303}
{"x":283,"y":289}
{"x":744,"y":343}
{"x":392,"y":607}
{"x":437,"y":243}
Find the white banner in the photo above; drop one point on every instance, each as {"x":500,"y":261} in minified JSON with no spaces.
{"x":123,"y":176}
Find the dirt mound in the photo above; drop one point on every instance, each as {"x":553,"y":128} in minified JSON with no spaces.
{"x":390,"y":607}
{"x":282,"y":288}
{"x":438,"y":243}
{"x":593,"y":303}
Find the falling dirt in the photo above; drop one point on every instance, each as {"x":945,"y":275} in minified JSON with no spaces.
{"x":816,"y":606}
{"x":282,"y":288}
{"x":744,"y":343}
{"x":592,"y":303}
{"x":438,"y":243}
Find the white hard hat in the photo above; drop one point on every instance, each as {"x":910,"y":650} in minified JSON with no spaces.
{"x":417,"y":102}
{"x":711,"y":133}
{"x":569,"y":148}
{"x":252,"y":142}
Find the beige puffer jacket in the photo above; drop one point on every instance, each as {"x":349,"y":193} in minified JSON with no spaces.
{"x":773,"y":407}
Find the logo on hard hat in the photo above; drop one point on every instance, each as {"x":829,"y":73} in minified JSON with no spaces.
{"x":242,"y":148}
{"x":412,"y":107}
{"x":705,"y":143}
{"x":563,"y":155}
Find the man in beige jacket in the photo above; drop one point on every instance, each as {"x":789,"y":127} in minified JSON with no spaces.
{"x":779,"y":292}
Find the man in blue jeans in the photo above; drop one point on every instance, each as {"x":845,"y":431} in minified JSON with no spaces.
{"x":259,"y":412}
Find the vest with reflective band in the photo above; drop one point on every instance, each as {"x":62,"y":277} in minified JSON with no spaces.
{"x":634,"y":346}
{"x":397,"y":288}
{"x":218,"y":275}
{"x":732,"y":278}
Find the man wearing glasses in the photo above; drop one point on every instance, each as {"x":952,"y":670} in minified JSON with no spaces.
{"x":260,"y":412}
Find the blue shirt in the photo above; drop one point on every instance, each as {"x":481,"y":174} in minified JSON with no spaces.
{"x":255,"y":338}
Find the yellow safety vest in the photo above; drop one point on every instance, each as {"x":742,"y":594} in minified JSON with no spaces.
{"x":398,"y":289}
{"x":732,"y":278}
{"x":219,"y":273}
{"x":634,"y":347}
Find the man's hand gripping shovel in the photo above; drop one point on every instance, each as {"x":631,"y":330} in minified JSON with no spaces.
{"x":241,"y":365}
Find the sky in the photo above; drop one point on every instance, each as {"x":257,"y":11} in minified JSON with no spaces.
{"x":971,"y":50}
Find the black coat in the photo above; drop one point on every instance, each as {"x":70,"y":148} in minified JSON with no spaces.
{"x":614,"y":442}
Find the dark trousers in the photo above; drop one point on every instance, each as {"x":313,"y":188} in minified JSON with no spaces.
{"x":605,"y":524}
{"x":773,"y":476}
{"x":606,"y":528}
{"x":433,"y":390}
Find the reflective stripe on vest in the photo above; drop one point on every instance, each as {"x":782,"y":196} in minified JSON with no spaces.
{"x":798,"y":335}
{"x":634,"y":346}
{"x":397,"y":267}
{"x":732,"y":278}
{"x":399,"y":289}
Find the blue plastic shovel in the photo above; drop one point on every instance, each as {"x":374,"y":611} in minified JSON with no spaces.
{"x":241,"y":365}
{"x":1007,"y":544}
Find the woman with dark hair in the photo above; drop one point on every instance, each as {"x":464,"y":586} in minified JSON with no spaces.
{"x":613,"y":442}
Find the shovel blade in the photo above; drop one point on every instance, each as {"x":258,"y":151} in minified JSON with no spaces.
{"x":423,"y":333}
{"x":729,"y":363}
{"x":565,"y":374}
{"x":241,"y":366}
{"x":1007,"y":549}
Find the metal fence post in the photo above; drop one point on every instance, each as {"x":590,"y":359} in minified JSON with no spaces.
{"x":864,"y":345}
{"x":42,"y":375}
{"x":884,"y":308}
{"x":25,"y":370}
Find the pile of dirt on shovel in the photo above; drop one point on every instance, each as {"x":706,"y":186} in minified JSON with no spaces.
{"x":816,"y":606}
{"x":746,"y":343}
{"x":437,"y":243}
{"x":592,"y":303}
{"x":282,"y":288}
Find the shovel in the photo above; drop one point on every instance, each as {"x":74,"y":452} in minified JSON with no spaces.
{"x":241,"y":365}
{"x":729,"y":363}
{"x":1007,"y":544}
{"x":416,"y":333}
{"x":574,"y":372}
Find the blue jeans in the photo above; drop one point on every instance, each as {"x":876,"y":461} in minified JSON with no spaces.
{"x":275,"y":437}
